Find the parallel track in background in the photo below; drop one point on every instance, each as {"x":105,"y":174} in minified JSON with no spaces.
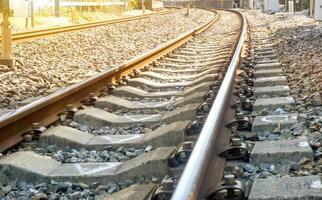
{"x":42,"y":33}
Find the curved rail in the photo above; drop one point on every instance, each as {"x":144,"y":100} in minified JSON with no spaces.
{"x":28,"y":35}
{"x":193,"y":174}
{"x":45,"y":110}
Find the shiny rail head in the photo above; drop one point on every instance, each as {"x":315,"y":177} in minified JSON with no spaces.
{"x":190,"y":182}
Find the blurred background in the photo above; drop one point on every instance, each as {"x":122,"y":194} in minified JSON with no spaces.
{"x":34,"y":14}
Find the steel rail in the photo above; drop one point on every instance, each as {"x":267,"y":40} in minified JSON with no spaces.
{"x":45,"y":110}
{"x":29,"y":35}
{"x":191,"y":180}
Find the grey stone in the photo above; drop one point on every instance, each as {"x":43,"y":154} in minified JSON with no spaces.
{"x":121,"y":157}
{"x":113,"y":188}
{"x":94,"y":185}
{"x":51,"y":148}
{"x":6,"y":189}
{"x":249,"y":168}
{"x":58,"y":156}
{"x":39,"y":196}
{"x":54,"y":196}
{"x":264,"y":174}
{"x":137,"y":192}
{"x":130,"y":154}
{"x":75,"y":195}
{"x":63,"y":186}
{"x":22,"y":195}
{"x":148,"y":148}
{"x":52,"y":188}
{"x":100,"y":188}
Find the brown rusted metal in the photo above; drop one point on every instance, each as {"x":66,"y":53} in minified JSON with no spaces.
{"x":46,"y":110}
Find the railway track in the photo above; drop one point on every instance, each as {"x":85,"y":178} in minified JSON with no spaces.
{"x":268,"y":154}
{"x":124,"y":127}
{"x":208,"y":115}
{"x":41,"y":33}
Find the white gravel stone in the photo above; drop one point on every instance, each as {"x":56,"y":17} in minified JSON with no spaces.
{"x":62,"y":59}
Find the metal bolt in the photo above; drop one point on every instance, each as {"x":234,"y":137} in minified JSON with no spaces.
{"x":110,"y":88}
{"x":229,"y":179}
{"x":235,"y":142}
{"x":70,"y":107}
{"x":215,"y":88}
{"x":187,"y":145}
{"x":200,"y":119}
{"x":212,"y":96}
{"x":35,"y":125}
{"x":91,"y":95}
{"x":239,"y":116}
{"x":27,"y":138}
{"x":244,"y":87}
{"x":70,"y":111}
{"x":209,"y":101}
{"x":131,"y":75}
{"x":234,"y":130}
{"x":242,"y":98}
{"x":146,"y":68}
{"x":167,"y":184}
{"x":136,"y":72}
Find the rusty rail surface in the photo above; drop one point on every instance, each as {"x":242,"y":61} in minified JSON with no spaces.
{"x":44,"y":111}
{"x":203,"y":163}
{"x":29,"y":35}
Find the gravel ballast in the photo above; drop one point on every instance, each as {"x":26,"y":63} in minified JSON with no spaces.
{"x":64,"y":59}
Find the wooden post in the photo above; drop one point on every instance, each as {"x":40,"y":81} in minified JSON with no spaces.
{"x":6,"y":36}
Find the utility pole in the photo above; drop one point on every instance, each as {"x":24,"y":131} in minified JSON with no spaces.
{"x":6,"y":35}
{"x":126,"y":5}
{"x":32,"y":13}
{"x":143,"y":7}
{"x":188,"y":10}
{"x":57,"y":8}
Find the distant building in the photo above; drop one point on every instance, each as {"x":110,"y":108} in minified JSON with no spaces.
{"x":264,"y":5}
{"x":316,"y":9}
{"x":226,"y":4}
